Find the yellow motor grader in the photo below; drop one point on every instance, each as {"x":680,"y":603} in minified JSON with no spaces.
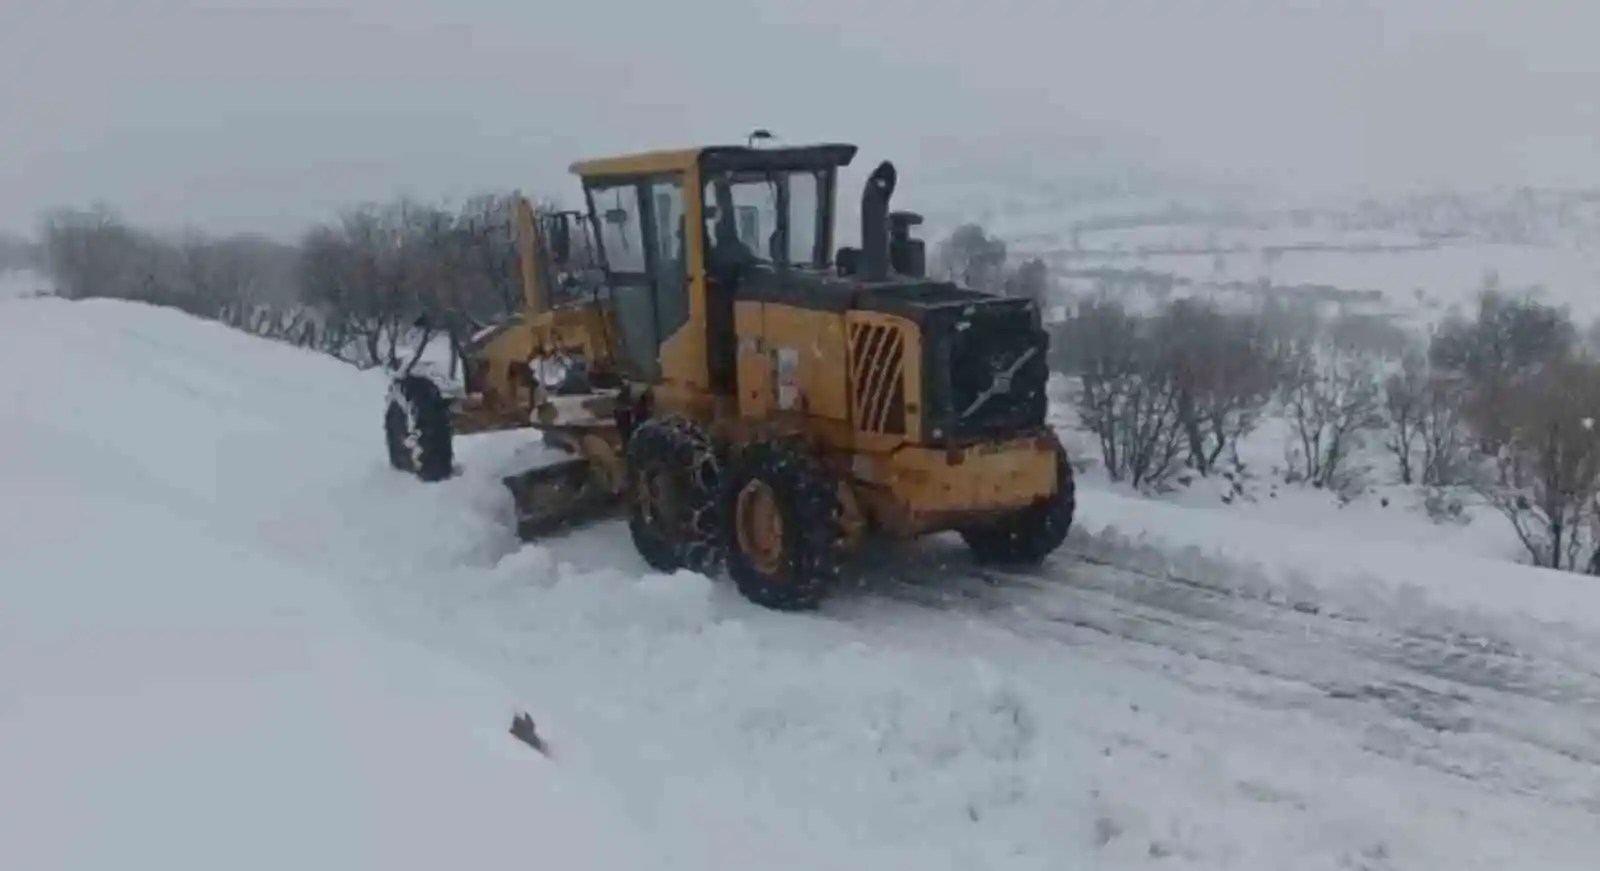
{"x":752,"y":400}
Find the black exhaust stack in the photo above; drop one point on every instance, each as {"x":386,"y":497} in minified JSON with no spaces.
{"x":875,"y":223}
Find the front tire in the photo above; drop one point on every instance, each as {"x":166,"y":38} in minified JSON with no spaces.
{"x":780,"y":519}
{"x":417,"y":429}
{"x":1027,"y":537}
{"x":671,"y":491}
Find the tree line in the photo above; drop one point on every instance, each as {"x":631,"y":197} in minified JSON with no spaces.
{"x":1501,"y":404}
{"x":360,"y":286}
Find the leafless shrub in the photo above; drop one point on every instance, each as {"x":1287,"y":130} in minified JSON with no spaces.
{"x":243,"y":281}
{"x":1223,"y":369}
{"x":973,"y":257}
{"x":1126,"y":396}
{"x":397,"y":274}
{"x":360,"y":287}
{"x":95,"y":253}
{"x":1426,"y":431}
{"x":1030,"y":280}
{"x":1332,"y":397}
{"x":1508,"y":340}
{"x":1548,"y":462}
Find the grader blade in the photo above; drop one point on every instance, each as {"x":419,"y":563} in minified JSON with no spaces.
{"x":552,"y":499}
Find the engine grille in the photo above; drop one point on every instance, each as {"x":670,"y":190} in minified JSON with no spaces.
{"x":989,"y":366}
{"x":877,"y":370}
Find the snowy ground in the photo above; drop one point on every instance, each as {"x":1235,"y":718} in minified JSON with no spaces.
{"x":232,"y":637}
{"x":15,"y":283}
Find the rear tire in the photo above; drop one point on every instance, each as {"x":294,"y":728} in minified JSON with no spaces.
{"x":780,"y":516}
{"x":1027,"y":537}
{"x":417,"y":429}
{"x":671,"y":491}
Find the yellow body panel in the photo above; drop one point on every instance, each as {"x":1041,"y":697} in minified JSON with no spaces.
{"x":986,"y":476}
{"x":643,"y":163}
{"x":918,"y":490}
{"x":805,"y":349}
{"x":754,"y":365}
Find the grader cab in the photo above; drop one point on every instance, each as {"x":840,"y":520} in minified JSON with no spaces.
{"x":752,"y":399}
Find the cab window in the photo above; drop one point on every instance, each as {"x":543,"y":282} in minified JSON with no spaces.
{"x":621,"y":226}
{"x":775,"y":215}
{"x":641,"y":247}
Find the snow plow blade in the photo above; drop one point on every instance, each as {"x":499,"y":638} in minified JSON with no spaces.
{"x":552,"y":499}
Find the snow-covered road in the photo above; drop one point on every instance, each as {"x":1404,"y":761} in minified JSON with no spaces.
{"x":1134,"y":706}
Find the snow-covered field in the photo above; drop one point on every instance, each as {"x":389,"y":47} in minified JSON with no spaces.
{"x":1428,"y":279}
{"x":233,"y":637}
{"x":1414,"y":256}
{"x":15,"y":283}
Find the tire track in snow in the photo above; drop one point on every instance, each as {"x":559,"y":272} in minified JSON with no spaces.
{"x":1480,"y":708}
{"x":1469,"y":703}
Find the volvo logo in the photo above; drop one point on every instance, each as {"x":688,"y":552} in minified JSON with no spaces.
{"x":1000,"y":380}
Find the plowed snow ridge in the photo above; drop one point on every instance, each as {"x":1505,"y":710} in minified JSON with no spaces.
{"x":232,"y":637}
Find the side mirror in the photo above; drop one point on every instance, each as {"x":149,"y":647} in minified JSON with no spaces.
{"x":616,"y":217}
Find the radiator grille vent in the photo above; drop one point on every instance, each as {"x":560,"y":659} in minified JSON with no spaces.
{"x":877,"y":370}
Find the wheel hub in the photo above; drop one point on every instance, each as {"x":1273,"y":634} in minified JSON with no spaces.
{"x":656,"y":494}
{"x":759,"y":526}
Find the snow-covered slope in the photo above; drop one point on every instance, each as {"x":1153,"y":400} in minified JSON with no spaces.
{"x":173,"y":693}
{"x":232,"y":637}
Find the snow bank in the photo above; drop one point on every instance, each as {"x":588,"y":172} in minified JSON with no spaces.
{"x":171,"y":696}
{"x":1369,"y":577}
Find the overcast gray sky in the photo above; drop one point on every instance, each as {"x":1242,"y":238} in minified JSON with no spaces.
{"x":249,"y":115}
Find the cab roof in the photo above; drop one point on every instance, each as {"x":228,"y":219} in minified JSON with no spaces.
{"x":720,"y":158}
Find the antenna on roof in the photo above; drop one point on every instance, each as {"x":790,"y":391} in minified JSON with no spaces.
{"x":760,"y":133}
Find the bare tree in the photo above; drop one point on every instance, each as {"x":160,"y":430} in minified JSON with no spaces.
{"x":973,"y":257}
{"x":355,"y":271}
{"x":1332,"y":396}
{"x":1507,"y":340}
{"x":94,"y":252}
{"x":401,"y":273}
{"x":1426,"y":431}
{"x":1404,"y":393}
{"x":1548,"y":463}
{"x":1031,"y":280}
{"x":485,"y":226}
{"x":1442,"y":432}
{"x":1223,"y":371}
{"x":1126,"y":396}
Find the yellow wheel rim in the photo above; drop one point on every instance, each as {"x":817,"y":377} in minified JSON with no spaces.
{"x":759,"y":526}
